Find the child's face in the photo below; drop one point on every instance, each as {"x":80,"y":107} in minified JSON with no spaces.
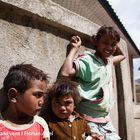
{"x":63,"y":107}
{"x":30,"y":102}
{"x":105,"y":46}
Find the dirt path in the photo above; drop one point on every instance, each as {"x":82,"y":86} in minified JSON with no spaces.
{"x":137,"y":121}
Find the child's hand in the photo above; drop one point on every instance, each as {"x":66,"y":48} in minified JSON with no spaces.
{"x":96,"y":137}
{"x":75,"y":42}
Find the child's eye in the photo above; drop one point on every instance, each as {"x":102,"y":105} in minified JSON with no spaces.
{"x":68,"y":103}
{"x":113,"y":45}
{"x":39,"y":94}
{"x":57,"y":103}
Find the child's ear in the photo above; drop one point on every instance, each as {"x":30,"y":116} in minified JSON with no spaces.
{"x":93,"y":39}
{"x":12,"y":95}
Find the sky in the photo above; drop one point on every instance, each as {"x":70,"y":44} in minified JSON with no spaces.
{"x":128,"y":12}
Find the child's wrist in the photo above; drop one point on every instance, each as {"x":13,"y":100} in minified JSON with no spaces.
{"x":88,"y":138}
{"x":76,"y":48}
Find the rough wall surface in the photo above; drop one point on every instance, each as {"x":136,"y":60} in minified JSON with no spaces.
{"x":38,"y":32}
{"x":127,"y":91}
{"x":124,"y":92}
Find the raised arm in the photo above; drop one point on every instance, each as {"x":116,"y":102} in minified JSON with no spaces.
{"x":68,"y":68}
{"x":118,"y":56}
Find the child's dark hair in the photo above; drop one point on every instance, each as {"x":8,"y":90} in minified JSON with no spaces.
{"x":107,"y":30}
{"x":20,"y":76}
{"x":64,"y":86}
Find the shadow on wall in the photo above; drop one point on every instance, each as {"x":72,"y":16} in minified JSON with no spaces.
{"x":3,"y":100}
{"x":137,"y":86}
{"x":25,"y":18}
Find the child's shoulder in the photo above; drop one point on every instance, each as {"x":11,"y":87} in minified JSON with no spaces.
{"x":78,"y":116}
{"x":39,"y":120}
{"x":36,"y":119}
{"x":86,"y":54}
{"x":43,"y":123}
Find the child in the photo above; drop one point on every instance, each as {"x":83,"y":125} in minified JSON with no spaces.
{"x":63,"y":121}
{"x":93,"y":71}
{"x":24,"y":87}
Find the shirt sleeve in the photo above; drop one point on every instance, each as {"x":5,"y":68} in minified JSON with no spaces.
{"x":43,"y":123}
{"x":82,"y":65}
{"x":88,"y":130}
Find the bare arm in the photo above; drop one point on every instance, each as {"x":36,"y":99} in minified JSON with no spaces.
{"x":118,"y":56}
{"x":67,"y":68}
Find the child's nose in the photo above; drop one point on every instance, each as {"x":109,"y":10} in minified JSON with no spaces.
{"x":41,"y":101}
{"x":110,"y":47}
{"x":62,"y":107}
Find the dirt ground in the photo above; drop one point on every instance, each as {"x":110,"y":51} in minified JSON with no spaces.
{"x":137,"y":121}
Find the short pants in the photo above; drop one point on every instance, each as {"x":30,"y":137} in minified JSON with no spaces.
{"x":105,"y":130}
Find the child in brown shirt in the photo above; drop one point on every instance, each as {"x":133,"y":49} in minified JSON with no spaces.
{"x":64,"y":123}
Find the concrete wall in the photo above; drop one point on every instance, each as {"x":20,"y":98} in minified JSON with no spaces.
{"x":125,"y":104}
{"x":27,"y":38}
{"x":38,"y":32}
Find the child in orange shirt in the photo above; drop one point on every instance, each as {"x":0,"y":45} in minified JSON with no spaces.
{"x":24,"y":88}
